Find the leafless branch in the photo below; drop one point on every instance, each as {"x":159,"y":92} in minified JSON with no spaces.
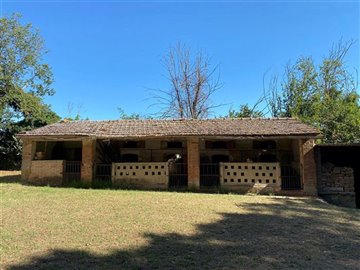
{"x":192,"y":82}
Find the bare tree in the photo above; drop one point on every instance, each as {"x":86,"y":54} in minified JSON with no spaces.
{"x":70,"y":111}
{"x":271,"y":96}
{"x":333,"y":73}
{"x":193,"y":81}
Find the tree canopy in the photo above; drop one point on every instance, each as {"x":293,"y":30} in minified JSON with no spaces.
{"x":24,"y":80}
{"x":324,"y":95}
{"x":245,"y":111}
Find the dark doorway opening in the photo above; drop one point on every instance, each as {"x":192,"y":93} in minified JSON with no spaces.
{"x":344,"y":155}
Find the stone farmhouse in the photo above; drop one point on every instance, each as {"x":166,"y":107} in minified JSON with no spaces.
{"x":262,"y":155}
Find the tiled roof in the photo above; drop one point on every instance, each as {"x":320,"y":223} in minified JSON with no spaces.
{"x":244,"y":127}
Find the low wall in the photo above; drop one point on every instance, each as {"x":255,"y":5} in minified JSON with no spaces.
{"x":46,"y":172}
{"x":9,"y":173}
{"x":254,"y":177}
{"x":337,"y":185}
{"x":150,"y":175}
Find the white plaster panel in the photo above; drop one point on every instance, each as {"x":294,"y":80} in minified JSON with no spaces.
{"x":250,"y":173}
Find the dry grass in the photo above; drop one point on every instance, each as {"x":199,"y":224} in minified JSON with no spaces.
{"x":59,"y":228}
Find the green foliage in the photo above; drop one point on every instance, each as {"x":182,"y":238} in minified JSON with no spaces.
{"x":324,"y":95}
{"x":125,"y":116}
{"x":339,"y":118}
{"x":21,"y":66}
{"x":24,"y":80}
{"x":132,"y":116}
{"x":300,"y":88}
{"x":245,"y":111}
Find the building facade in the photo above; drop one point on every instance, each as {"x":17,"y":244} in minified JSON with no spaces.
{"x":257,"y":155}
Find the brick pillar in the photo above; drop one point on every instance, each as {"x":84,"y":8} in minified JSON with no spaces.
{"x":193,"y":159}
{"x":308,"y":166}
{"x":28,"y":151}
{"x":88,"y":160}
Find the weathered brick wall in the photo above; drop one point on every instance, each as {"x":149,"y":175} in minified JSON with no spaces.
{"x":193,"y":156}
{"x":336,"y":179}
{"x":46,"y":172}
{"x":308,"y":164}
{"x":28,"y":153}
{"x":88,"y":160}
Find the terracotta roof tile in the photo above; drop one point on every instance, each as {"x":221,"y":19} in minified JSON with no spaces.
{"x":245,"y":127}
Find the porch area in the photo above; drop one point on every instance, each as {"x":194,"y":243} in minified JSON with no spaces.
{"x":268,"y":166}
{"x":228,"y":164}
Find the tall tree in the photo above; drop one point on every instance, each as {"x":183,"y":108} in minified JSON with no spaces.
{"x":192,"y":82}
{"x":324,"y":95}
{"x":24,"y":80}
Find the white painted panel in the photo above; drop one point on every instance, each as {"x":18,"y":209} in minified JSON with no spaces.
{"x":250,"y":173}
{"x":141,"y":171}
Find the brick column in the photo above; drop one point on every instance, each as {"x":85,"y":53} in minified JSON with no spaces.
{"x":308,"y":166}
{"x":193,"y":159}
{"x":88,"y":159}
{"x":28,"y":151}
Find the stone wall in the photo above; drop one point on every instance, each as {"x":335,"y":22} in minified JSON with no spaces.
{"x":336,"y":179}
{"x":46,"y":172}
{"x":337,"y":185}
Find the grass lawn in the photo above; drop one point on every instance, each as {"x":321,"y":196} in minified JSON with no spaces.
{"x":67,"y":228}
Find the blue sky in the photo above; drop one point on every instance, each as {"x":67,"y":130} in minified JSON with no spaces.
{"x":107,"y":54}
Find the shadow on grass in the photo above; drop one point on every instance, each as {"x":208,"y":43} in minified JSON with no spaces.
{"x":8,"y":179}
{"x":278,"y":235}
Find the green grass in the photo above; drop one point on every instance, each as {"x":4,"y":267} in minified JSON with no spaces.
{"x":68,"y":228}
